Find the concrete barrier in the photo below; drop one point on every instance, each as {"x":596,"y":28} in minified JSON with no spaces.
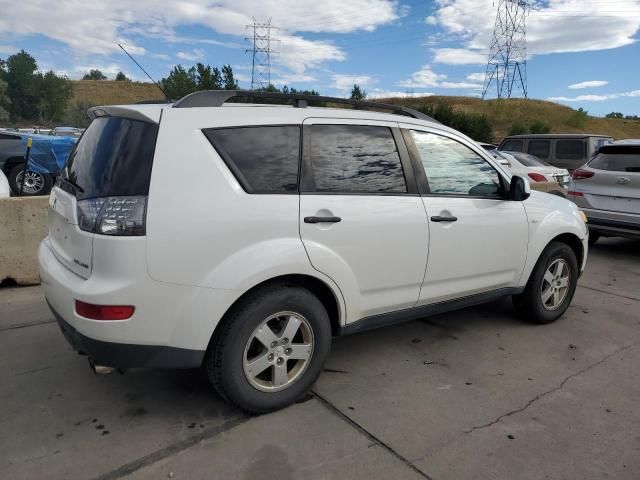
{"x":23,"y":225}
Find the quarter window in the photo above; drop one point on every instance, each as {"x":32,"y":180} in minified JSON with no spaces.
{"x":454,"y":169}
{"x":540,"y":148}
{"x":263,"y":159}
{"x":569,"y":149}
{"x":355,"y":159}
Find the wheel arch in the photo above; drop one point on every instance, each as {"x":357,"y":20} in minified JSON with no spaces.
{"x":574,"y":242}
{"x":316,"y":286}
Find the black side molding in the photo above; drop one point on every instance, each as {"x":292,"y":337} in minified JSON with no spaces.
{"x":438,"y":218}
{"x":322,"y":219}
{"x":391,"y":318}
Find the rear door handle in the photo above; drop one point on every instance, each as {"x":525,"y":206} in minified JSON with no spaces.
{"x":322,"y":219}
{"x":438,"y":218}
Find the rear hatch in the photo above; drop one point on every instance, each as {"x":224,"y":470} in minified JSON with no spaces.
{"x":103,"y":188}
{"x":611,"y":180}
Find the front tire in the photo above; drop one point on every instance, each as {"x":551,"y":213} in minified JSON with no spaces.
{"x":270,"y":349}
{"x":551,"y":286}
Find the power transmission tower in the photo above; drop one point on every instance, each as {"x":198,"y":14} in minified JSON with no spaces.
{"x":507,"y":65}
{"x":261,"y":39}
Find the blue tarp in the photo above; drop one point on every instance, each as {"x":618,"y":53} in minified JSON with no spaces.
{"x":48,"y":153}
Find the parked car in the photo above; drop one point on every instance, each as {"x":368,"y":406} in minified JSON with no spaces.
{"x":567,"y":151}
{"x":281,"y":228}
{"x":5,"y":191}
{"x":607,"y":188}
{"x":543,"y":177}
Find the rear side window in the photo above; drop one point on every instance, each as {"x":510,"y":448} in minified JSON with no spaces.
{"x":113,"y":158}
{"x":355,"y":159}
{"x":570,"y":149}
{"x":8,"y":137}
{"x":512,"y":146}
{"x":263,"y":159}
{"x":539,"y":148}
{"x":623,"y":159}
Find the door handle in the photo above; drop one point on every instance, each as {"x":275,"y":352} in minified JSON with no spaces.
{"x":322,"y":219}
{"x":438,"y":218}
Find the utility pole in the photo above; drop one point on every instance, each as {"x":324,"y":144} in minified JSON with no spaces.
{"x":507,"y":65}
{"x":262,"y":39}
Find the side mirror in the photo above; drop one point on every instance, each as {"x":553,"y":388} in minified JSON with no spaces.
{"x":519,"y":190}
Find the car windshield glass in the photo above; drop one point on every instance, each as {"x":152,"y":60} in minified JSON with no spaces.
{"x":529,"y":160}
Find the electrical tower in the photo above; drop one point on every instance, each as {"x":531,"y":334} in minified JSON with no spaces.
{"x":262,"y":40}
{"x":507,"y":65}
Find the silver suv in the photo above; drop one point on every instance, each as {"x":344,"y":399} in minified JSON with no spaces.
{"x":607,"y":188}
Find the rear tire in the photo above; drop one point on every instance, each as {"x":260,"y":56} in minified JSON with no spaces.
{"x":551,"y":286}
{"x":36,"y":183}
{"x":254,"y":364}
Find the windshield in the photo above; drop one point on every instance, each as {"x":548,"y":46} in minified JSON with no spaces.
{"x":113,"y":158}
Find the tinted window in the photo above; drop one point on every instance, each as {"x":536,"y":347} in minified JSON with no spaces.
{"x":263,"y":159}
{"x":113,"y":157}
{"x":569,"y":149}
{"x":540,"y":148}
{"x":454,"y":169}
{"x":8,"y":137}
{"x":619,"y":159}
{"x":355,"y":159}
{"x":529,"y":160}
{"x":512,"y":145}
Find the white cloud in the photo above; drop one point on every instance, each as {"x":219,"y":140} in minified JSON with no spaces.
{"x":596,"y":98}
{"x":427,"y":78}
{"x":346,"y":82}
{"x":588,"y":84}
{"x":379,"y":93}
{"x":476,"y":77}
{"x":552,"y":27}
{"x":160,"y":56}
{"x":94,"y":28}
{"x":196,"y":55}
{"x":459,"y":56}
{"x":8,"y":49}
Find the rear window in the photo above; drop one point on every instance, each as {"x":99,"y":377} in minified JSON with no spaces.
{"x":529,"y":160}
{"x":539,"y":148}
{"x":512,"y":145}
{"x":263,"y":159}
{"x":620,"y":159}
{"x":8,"y":137}
{"x":113,"y":158}
{"x":570,"y":149}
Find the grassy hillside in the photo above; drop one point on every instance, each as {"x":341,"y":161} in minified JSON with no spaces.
{"x":503,"y":113}
{"x":108,"y":92}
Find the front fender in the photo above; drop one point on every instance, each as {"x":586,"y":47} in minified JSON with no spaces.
{"x":550,"y":216}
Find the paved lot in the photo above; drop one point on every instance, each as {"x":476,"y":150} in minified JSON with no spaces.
{"x":472,"y":394}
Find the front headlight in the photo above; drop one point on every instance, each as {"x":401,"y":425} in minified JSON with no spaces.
{"x":583,"y":216}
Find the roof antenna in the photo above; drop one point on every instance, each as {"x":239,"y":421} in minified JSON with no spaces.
{"x":145,"y":72}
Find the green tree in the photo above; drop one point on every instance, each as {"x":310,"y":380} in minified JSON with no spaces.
{"x":518,"y":128}
{"x":208,"y":78}
{"x":21,"y":86}
{"x":578,"y":119}
{"x":121,"y":77}
{"x":76,"y":114}
{"x":539,"y":127}
{"x":94,"y":74}
{"x":614,"y":115}
{"x":180,"y":82}
{"x":4,"y":101}
{"x":228,"y":80}
{"x":358,"y":93}
{"x":54,"y":95}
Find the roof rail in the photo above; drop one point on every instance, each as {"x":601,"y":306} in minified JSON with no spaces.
{"x":216,"y":98}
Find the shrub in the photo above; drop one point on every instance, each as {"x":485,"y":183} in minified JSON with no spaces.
{"x":474,"y":125}
{"x":539,"y":127}
{"x":518,"y":128}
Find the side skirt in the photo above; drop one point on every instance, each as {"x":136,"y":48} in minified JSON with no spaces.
{"x":391,"y":318}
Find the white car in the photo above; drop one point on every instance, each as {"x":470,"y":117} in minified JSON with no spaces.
{"x":5,"y":190}
{"x":242,"y":237}
{"x":541,"y":175}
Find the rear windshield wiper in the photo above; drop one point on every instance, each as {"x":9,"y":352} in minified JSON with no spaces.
{"x":73,"y":184}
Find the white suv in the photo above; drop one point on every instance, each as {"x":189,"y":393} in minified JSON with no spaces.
{"x":242,"y":237}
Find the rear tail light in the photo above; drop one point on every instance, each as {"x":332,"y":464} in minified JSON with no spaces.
{"x":104,"y":312}
{"x":536,"y":177}
{"x":118,"y":216}
{"x":581,"y":174}
{"x":575,"y":194}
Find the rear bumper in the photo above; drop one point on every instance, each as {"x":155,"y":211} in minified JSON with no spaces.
{"x":613,"y":223}
{"x":123,"y":355}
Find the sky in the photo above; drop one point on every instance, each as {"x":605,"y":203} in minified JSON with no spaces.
{"x":582,"y":53}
